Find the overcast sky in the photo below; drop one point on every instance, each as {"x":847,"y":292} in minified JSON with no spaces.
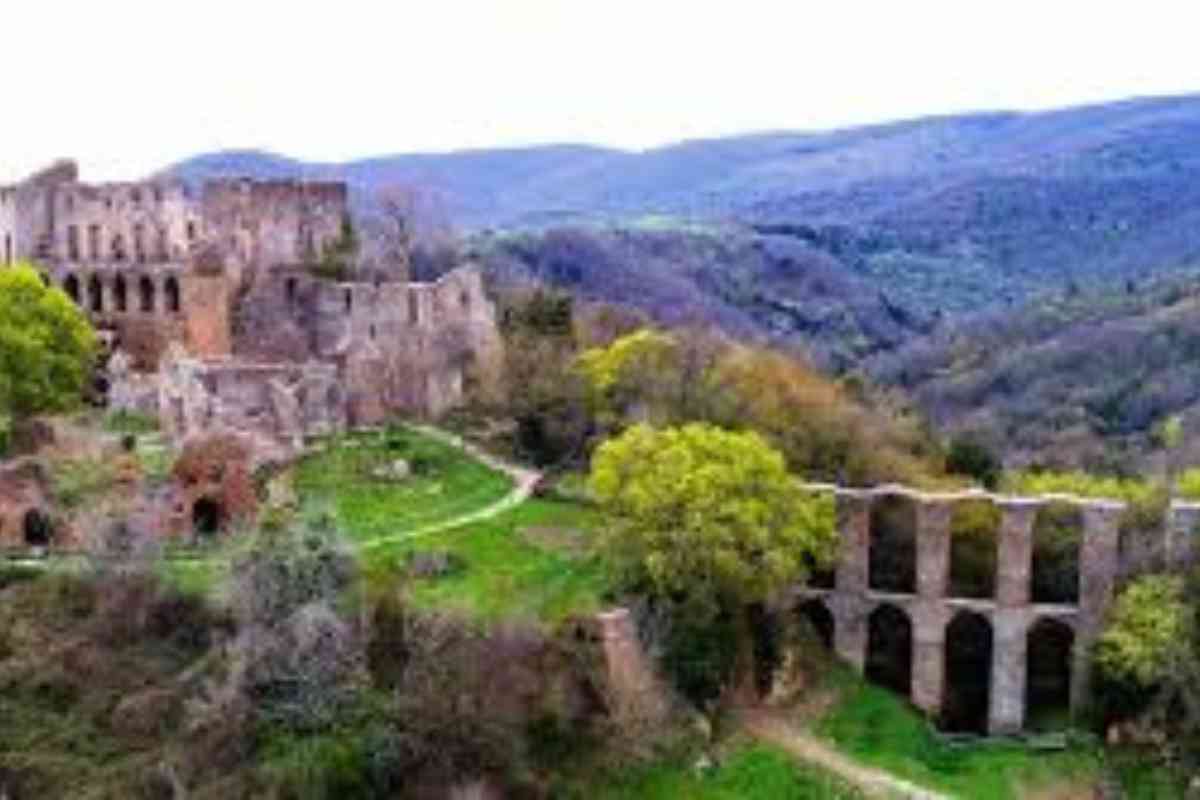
{"x":127,"y":86}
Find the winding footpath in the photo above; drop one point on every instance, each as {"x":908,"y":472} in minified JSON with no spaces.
{"x":524,"y":482}
{"x":776,"y":730}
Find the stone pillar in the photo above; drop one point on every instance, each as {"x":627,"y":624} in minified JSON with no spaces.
{"x":1006,"y":708}
{"x":854,"y":528}
{"x":929,"y":619}
{"x":635,"y":690}
{"x":1183,"y":521}
{"x":205,"y":303}
{"x":1014,"y":556}
{"x":933,"y":548}
{"x":849,"y":628}
{"x":1097,"y":575}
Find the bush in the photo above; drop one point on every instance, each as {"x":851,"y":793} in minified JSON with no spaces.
{"x":966,"y":456}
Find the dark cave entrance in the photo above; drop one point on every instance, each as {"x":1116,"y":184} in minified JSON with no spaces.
{"x":37,"y":528}
{"x":206,"y":517}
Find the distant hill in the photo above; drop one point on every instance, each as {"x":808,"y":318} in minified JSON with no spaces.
{"x":944,"y":214}
{"x":1081,"y":379}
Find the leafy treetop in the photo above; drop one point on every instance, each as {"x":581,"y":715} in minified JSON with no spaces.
{"x":708,"y":513}
{"x":46,"y":346}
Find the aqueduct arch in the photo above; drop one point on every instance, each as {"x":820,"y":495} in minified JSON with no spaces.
{"x":982,"y":653}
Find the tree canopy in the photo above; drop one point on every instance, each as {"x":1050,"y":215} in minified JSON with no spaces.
{"x":709,"y":513}
{"x":46,"y":345}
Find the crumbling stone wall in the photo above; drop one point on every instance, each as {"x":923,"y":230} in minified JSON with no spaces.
{"x":1011,"y":613}
{"x":274,"y":406}
{"x":402,"y":347}
{"x":128,"y":252}
{"x":263,"y":224}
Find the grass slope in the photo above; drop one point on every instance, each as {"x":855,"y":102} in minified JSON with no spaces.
{"x":878,"y":728}
{"x":531,"y":562}
{"x":445,"y":483}
{"x":750,"y":772}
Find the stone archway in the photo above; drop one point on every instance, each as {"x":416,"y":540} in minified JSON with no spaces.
{"x":146,"y":294}
{"x":974,"y":539}
{"x":1049,"y":649}
{"x":1054,"y":571}
{"x":968,"y":673}
{"x":71,"y":287}
{"x":37,"y":528}
{"x":120,"y":294}
{"x":171,"y":295}
{"x":890,"y":649}
{"x":207,"y":517}
{"x":818,"y":615}
{"x":95,"y":295}
{"x":892,"y":561}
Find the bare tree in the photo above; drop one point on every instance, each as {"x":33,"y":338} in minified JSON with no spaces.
{"x":409,"y":234}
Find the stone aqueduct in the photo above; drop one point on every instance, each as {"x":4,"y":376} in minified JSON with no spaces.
{"x":848,"y":610}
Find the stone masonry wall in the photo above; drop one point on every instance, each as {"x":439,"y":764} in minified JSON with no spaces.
{"x":1010,"y":612}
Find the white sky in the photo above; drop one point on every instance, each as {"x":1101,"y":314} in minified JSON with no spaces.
{"x":127,"y":86}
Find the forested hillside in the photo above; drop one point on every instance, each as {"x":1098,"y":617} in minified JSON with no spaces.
{"x":949,"y":213}
{"x":1081,"y":379}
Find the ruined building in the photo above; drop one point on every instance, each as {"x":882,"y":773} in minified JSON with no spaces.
{"x":215,"y":301}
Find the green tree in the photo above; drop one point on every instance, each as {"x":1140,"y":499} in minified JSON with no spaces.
{"x":711,"y":517}
{"x":47,"y":346}
{"x":1149,"y":631}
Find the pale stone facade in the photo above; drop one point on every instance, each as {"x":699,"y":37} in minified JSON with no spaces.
{"x":224,"y":272}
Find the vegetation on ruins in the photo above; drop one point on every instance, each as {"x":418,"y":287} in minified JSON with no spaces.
{"x":708,"y":523}
{"x":577,"y":374}
{"x":46,"y":346}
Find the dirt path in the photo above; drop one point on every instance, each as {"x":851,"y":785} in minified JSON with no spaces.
{"x":524,"y":480}
{"x":774,"y":729}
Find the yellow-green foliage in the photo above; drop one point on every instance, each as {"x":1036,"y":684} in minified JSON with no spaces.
{"x":1080,"y":484}
{"x":1188,"y":484}
{"x":1149,"y":625}
{"x":826,"y":430}
{"x":713,"y":513}
{"x":604,"y":367}
{"x":46,"y":345}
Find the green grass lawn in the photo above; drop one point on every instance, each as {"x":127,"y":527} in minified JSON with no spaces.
{"x":749,"y":772}
{"x":878,"y":728}
{"x":533,"y":561}
{"x":446,"y":483}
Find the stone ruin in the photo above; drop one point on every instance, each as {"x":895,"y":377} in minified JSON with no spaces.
{"x":859,"y":617}
{"x":218,"y":319}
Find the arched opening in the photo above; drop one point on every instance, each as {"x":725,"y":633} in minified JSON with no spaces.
{"x":818,"y":616}
{"x":1049,"y":648}
{"x":171,"y":294}
{"x":146,"y":292}
{"x":889,"y":649}
{"x":974,"y":532}
{"x":37,"y":528}
{"x":206,"y":517}
{"x":348,"y":300}
{"x":968,"y":673}
{"x":95,"y":294}
{"x":1054,"y":574}
{"x":118,"y":248}
{"x":820,"y":575}
{"x":290,"y":290}
{"x":71,"y":287}
{"x":120,"y":294}
{"x":893,"y":555}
